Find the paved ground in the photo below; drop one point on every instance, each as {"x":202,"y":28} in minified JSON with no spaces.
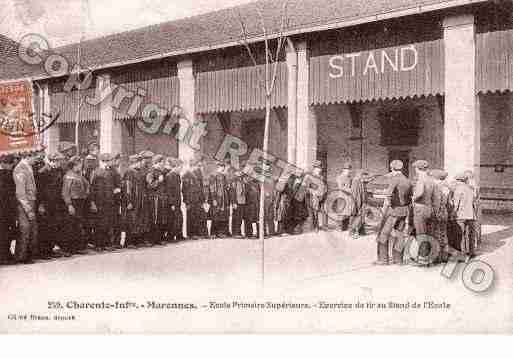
{"x":302,"y":269}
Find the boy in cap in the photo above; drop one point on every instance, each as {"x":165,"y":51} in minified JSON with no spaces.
{"x":219,"y":201}
{"x":194,"y":199}
{"x":238,"y":201}
{"x":51,"y":208}
{"x":440,"y":212}
{"x":75,"y":191}
{"x":463,"y":202}
{"x":105,"y":184}
{"x":173,"y":185}
{"x":396,"y":209}
{"x":132,"y":198}
{"x":157,"y":200}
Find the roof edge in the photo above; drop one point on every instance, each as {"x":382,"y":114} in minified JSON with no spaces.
{"x":406,"y":11}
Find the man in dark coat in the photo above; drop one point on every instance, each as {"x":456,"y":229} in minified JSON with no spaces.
{"x":75,"y":192}
{"x":396,"y":210}
{"x":173,"y":184}
{"x":105,"y":184}
{"x":132,"y":190}
{"x":194,"y":199}
{"x":440,"y":212}
{"x":7,"y":208}
{"x":219,"y":201}
{"x":51,"y":209}
{"x":238,"y":201}
{"x":157,"y":200}
{"x":251,"y":209}
{"x":144,"y":219}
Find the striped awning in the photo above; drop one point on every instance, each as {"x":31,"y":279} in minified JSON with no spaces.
{"x":160,"y":87}
{"x":238,"y":89}
{"x":494,"y":63}
{"x":73,"y":105}
{"x":410,"y":70}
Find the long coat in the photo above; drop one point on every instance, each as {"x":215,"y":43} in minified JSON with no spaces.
{"x":103,"y":184}
{"x":133,"y":191}
{"x":219,"y":197}
{"x":157,"y":198}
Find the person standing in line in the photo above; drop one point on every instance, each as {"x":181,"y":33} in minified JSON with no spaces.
{"x":344,"y":184}
{"x":314,"y":201}
{"x":105,"y":185}
{"x":144,"y":218}
{"x":238,"y":201}
{"x":157,"y":200}
{"x":472,"y":182}
{"x":357,"y":219}
{"x":75,"y":192}
{"x":422,"y":198}
{"x":219,"y":201}
{"x":269,"y":208}
{"x":132,"y":197}
{"x":27,"y":245}
{"x":7,"y":208}
{"x":396,"y":208}
{"x":194,"y":199}
{"x":173,"y":183}
{"x":464,"y":200}
{"x":51,"y":208}
{"x":90,"y":164}
{"x":251,"y":209}
{"x":440,"y":212}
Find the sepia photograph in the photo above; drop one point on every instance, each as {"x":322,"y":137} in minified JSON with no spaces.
{"x":256,"y":167}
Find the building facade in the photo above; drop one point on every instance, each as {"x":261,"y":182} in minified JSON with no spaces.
{"x":432,"y":81}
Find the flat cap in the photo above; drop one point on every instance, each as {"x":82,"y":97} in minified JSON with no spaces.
{"x":157,"y":159}
{"x":91,"y":157}
{"x":316,"y":164}
{"x":396,"y":165}
{"x":146,"y":155}
{"x":57,"y":156}
{"x":75,"y":160}
{"x":438,"y":174}
{"x":421,"y":164}
{"x":460,"y":177}
{"x":105,"y":157}
{"x":134,"y":159}
{"x":347,"y":166}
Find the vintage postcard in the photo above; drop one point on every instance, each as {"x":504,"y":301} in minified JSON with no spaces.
{"x":238,"y":166}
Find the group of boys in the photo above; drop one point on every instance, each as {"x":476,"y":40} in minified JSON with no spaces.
{"x":441,"y":215}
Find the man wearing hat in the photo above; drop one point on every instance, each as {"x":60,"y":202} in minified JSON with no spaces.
{"x":396,"y":210}
{"x":75,"y":192}
{"x":132,"y":192}
{"x":173,"y":184}
{"x":157,"y":200}
{"x":313,"y":200}
{"x":423,"y":195}
{"x":440,"y":211}
{"x":104,"y":186}
{"x":344,"y":184}
{"x":7,"y":207}
{"x":51,"y":208}
{"x":219,"y":201}
{"x":27,"y":246}
{"x":194,"y":199}
{"x":463,"y":202}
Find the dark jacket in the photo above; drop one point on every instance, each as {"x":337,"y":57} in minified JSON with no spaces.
{"x":400,"y":192}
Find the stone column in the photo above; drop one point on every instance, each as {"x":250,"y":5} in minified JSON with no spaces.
{"x":462,"y":116}
{"x":187,"y":96}
{"x":306,"y":117}
{"x":110,"y":129}
{"x":51,"y":136}
{"x":291,"y":58}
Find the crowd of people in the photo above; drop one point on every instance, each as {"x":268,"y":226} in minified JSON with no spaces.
{"x":55,"y":205}
{"x":441,"y":215}
{"x":61,"y":205}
